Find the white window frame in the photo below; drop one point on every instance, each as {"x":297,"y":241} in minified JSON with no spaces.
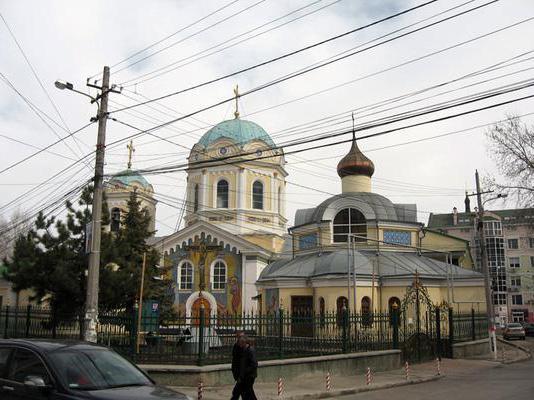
{"x":262,"y":195}
{"x":222,"y":178}
{"x":212,"y":275}
{"x":179,"y":275}
{"x":509,"y":241}
{"x":514,"y":264}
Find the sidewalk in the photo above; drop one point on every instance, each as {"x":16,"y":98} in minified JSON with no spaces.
{"x":507,"y":352}
{"x":314,"y":387}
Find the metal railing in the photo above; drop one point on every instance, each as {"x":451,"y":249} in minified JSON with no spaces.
{"x":208,"y":339}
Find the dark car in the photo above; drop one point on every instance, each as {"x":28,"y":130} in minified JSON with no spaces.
{"x":55,"y":370}
{"x":529,"y":328}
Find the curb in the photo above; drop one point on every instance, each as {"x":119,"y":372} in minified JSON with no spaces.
{"x":527,"y":354}
{"x":348,"y":391}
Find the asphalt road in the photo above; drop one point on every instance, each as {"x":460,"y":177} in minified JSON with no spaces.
{"x":479,"y":381}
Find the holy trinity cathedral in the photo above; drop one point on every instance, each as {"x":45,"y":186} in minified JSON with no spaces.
{"x":236,"y":254}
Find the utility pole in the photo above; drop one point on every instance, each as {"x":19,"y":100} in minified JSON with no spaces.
{"x":485,"y":270}
{"x":140,"y":309}
{"x":91,"y":304}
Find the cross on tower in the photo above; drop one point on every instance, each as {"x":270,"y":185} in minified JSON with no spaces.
{"x":236,"y":93}
{"x":203,"y":248}
{"x":131,"y":150}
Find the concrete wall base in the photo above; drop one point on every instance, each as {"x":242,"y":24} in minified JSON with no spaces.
{"x":470,"y":349}
{"x":270,"y":371}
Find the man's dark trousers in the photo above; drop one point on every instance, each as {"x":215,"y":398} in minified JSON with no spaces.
{"x":244,"y":389}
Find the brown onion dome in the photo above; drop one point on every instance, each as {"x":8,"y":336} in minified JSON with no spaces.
{"x":355,"y":163}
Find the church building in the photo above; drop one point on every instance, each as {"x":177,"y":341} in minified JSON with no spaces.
{"x":359,"y":250}
{"x":235,"y":221}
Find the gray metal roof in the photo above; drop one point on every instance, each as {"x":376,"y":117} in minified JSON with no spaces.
{"x":373,"y":206}
{"x":392,"y":264}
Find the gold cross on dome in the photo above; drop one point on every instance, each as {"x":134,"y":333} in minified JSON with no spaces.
{"x":131,"y":150}
{"x":236,"y":93}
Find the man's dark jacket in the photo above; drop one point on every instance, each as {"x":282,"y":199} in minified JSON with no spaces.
{"x":236,"y":360}
{"x":248,"y":368}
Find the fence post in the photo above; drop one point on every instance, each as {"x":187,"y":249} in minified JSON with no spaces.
{"x":280,"y":332}
{"x":438,"y":333}
{"x":344,"y":323}
{"x":6,"y":323}
{"x":473,"y":332}
{"x":28,"y":319}
{"x":202,"y":317}
{"x":451,"y":332}
{"x":133,"y":333}
{"x":395,"y":323}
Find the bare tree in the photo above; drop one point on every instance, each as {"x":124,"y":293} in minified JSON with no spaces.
{"x":511,"y":145}
{"x":10,"y":229}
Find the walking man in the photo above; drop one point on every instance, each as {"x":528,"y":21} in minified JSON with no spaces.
{"x":247,"y":371}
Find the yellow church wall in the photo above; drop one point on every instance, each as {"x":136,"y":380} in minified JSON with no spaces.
{"x":267,"y":193}
{"x":331,"y":294}
{"x":213,"y":179}
{"x":285,"y":295}
{"x":269,"y":242}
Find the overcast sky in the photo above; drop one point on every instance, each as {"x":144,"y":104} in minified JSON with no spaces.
{"x":73,"y":40}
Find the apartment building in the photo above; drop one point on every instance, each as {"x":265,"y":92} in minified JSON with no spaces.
{"x":510,"y":252}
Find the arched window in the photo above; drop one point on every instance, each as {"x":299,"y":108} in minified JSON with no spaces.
{"x":185,"y":276}
{"x":394,"y":304}
{"x":365,"y":310}
{"x":322,"y":311}
{"x":222,"y":194}
{"x":349,"y":220}
{"x":195,"y":198}
{"x":115,"y":219}
{"x":341,"y":304}
{"x":257,"y":195}
{"x":218,"y":275}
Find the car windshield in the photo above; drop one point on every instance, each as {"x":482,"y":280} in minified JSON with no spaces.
{"x":96,"y":369}
{"x":517,"y":325}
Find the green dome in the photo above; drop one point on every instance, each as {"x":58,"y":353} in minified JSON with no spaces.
{"x":128,"y":177}
{"x":238,"y":130}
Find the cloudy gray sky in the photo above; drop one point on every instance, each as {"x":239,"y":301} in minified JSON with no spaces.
{"x":72,"y":40}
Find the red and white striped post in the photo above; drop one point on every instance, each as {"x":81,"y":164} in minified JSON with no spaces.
{"x":328,"y":383}
{"x":200,"y":392}
{"x":368,"y":376}
{"x":407,"y":370}
{"x":280,"y":387}
{"x":438,"y":366}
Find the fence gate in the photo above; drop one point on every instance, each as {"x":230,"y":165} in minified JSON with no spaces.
{"x":417,"y":331}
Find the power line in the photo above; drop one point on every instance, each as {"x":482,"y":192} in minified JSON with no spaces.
{"x":202,"y":164}
{"x":48,"y":147}
{"x":36,"y":76}
{"x":169,"y":36}
{"x":272,"y":60}
{"x":35,"y":147}
{"x":192,"y":35}
{"x":164,"y":70}
{"x":306,"y":127}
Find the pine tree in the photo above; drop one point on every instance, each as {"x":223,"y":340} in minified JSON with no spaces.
{"x":120,"y":281}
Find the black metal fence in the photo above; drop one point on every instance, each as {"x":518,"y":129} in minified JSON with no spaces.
{"x":208,"y":339}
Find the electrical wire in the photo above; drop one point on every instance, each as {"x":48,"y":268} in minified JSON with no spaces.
{"x":272,"y":60}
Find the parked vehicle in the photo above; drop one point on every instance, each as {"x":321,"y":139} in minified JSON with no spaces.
{"x":529,"y":328}
{"x":513,"y":330}
{"x":57,"y":370}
